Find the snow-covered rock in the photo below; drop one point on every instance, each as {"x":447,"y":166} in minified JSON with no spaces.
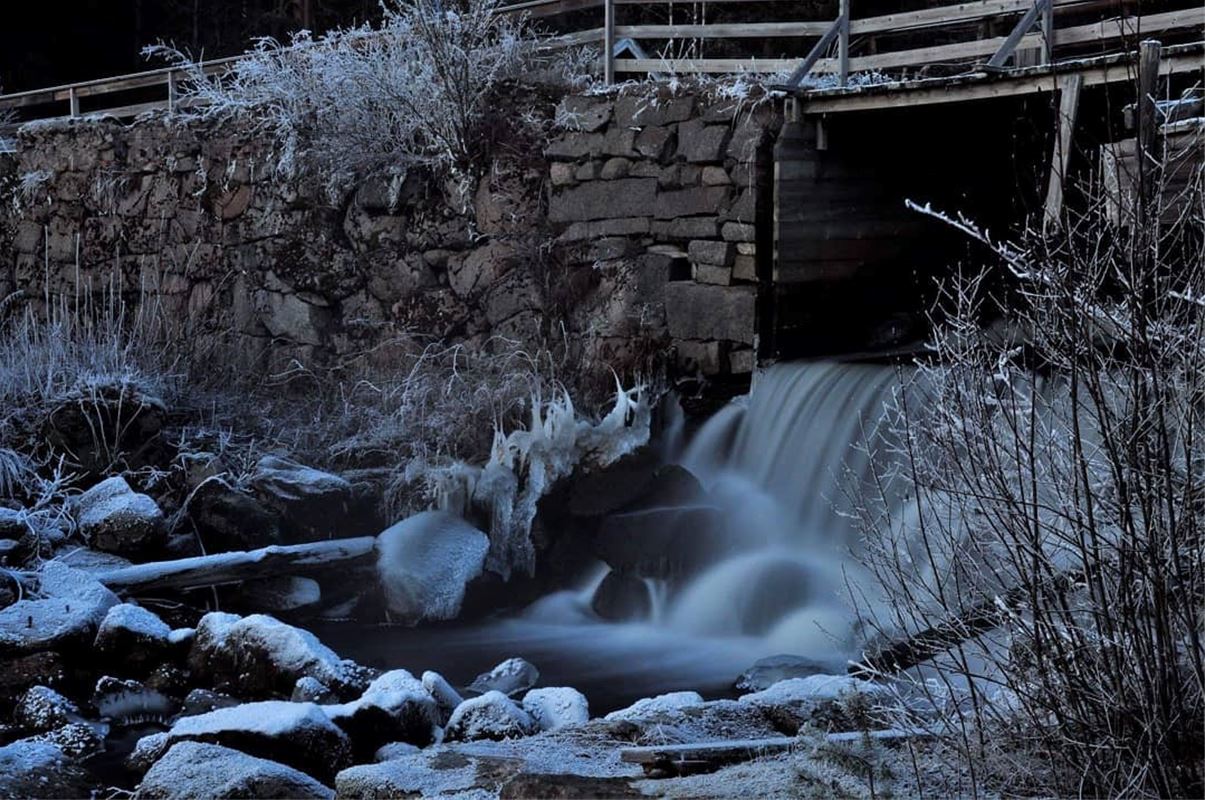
{"x":311,"y":502}
{"x":130,"y":702}
{"x":77,"y":740}
{"x":425,"y":562}
{"x":39,"y":769}
{"x":146,"y":752}
{"x":768,"y":671}
{"x":393,"y":751}
{"x":43,"y":709}
{"x":132,"y":637}
{"x":493,"y":715}
{"x":812,"y":691}
{"x":69,"y":607}
{"x":116,"y":519}
{"x":395,"y":708}
{"x":512,"y":676}
{"x":555,"y":707}
{"x":284,"y":593}
{"x":311,"y":690}
{"x":446,"y":697}
{"x":193,"y":769}
{"x":656,"y":705}
{"x":202,"y":701}
{"x":259,"y":655}
{"x":298,"y":734}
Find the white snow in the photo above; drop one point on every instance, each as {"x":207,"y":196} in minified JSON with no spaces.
{"x":395,"y":691}
{"x":446,"y":698}
{"x":181,"y":636}
{"x":556,"y":707}
{"x":268,"y":718}
{"x":71,"y":605}
{"x":655,"y":705}
{"x":42,"y":709}
{"x":512,"y":676}
{"x":111,"y":511}
{"x":394,"y":750}
{"x":493,"y":715}
{"x":292,"y":652}
{"x":426,"y":561}
{"x":135,"y":619}
{"x":806,"y":694}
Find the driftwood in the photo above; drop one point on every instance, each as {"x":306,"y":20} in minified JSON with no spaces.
{"x":219,"y":568}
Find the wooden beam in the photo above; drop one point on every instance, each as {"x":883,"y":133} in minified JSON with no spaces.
{"x":826,"y":41}
{"x":738,"y":30}
{"x":843,"y":43}
{"x":1024,"y":26}
{"x":609,"y":42}
{"x":1149,"y":156}
{"x":1069,"y":89}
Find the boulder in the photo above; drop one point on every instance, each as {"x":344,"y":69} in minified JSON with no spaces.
{"x":39,"y":769}
{"x":836,"y":699}
{"x":128,"y":702}
{"x":313,"y":504}
{"x":298,"y":734}
{"x":643,"y":110}
{"x":699,"y":142}
{"x":696,"y":201}
{"x":395,"y":708}
{"x":228,"y":519}
{"x":116,"y":519}
{"x":426,"y":561}
{"x":259,"y":655}
{"x":660,"y":704}
{"x":195,"y":769}
{"x":311,"y":690}
{"x":393,"y":751}
{"x":665,"y":542}
{"x":579,"y":113}
{"x":19,"y":673}
{"x":768,"y":671}
{"x":77,"y":739}
{"x":43,"y":709}
{"x":69,"y":607}
{"x":132,"y":639}
{"x":596,"y":200}
{"x":511,"y":677}
{"x":556,"y":707}
{"x":622,"y":597}
{"x":446,"y":698}
{"x":493,"y":715}
{"x":202,"y":701}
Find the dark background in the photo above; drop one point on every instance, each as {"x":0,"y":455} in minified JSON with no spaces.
{"x":49,"y":42}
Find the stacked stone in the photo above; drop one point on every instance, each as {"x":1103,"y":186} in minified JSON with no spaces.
{"x":671,"y":184}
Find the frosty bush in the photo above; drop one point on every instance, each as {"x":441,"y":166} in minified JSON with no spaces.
{"x":358,"y":100}
{"x":1055,"y":563}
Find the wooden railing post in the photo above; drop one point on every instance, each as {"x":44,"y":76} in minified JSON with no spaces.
{"x":1150,"y":155}
{"x":73,"y":102}
{"x":843,"y":45}
{"x":609,"y":42}
{"x":172,"y":96}
{"x":1048,"y":32}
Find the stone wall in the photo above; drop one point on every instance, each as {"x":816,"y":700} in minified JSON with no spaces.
{"x":631,"y":233}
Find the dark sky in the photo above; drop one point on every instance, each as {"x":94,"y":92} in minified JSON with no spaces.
{"x":48,"y":42}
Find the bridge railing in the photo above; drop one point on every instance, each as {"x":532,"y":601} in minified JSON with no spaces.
{"x":967,"y":33}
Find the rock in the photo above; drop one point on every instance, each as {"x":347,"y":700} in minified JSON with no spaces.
{"x":116,"y":519}
{"x":556,"y":707}
{"x":655,"y":705}
{"x":312,"y":503}
{"x":615,"y":168}
{"x":70,"y":607}
{"x":393,"y":751}
{"x":259,"y":655}
{"x":128,"y":702}
{"x":493,"y":715}
{"x":228,"y":519}
{"x":202,"y":701}
{"x":146,"y":752}
{"x":696,"y":201}
{"x":695,"y":311}
{"x":622,"y":597}
{"x":446,"y":698}
{"x":20,"y":673}
{"x":655,"y":143}
{"x":596,"y":200}
{"x":194,"y":769}
{"x":395,"y":708}
{"x":38,"y":769}
{"x":720,"y":254}
{"x":795,"y":701}
{"x":132,"y":639}
{"x":642,"y":109}
{"x":43,"y":709}
{"x":699,"y":142}
{"x":76,"y":740}
{"x":311,"y":690}
{"x":479,"y":269}
{"x":512,"y":676}
{"x":96,"y":425}
{"x":298,"y":734}
{"x":281,"y":594}
{"x":666,"y":542}
{"x":768,"y":671}
{"x":426,"y":561}
{"x":578,"y":113}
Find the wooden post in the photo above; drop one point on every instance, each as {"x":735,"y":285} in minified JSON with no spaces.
{"x":843,"y":45}
{"x":1069,"y":89}
{"x":73,"y":102}
{"x":172,"y":96}
{"x":1048,"y":32}
{"x":1148,"y":124}
{"x":609,"y":42}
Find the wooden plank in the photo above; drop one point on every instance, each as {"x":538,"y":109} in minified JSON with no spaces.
{"x":1069,"y":90}
{"x":742,"y":30}
{"x":726,"y":65}
{"x":1023,"y":27}
{"x":948,"y":15}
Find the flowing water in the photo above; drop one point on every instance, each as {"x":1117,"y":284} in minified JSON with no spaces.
{"x":777,"y":464}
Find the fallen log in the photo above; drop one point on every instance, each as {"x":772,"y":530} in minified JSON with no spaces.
{"x":221,"y":568}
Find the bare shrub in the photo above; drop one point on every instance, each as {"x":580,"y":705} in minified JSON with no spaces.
{"x":1055,"y":560}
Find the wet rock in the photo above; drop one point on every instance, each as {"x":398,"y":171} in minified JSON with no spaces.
{"x":512,"y":676}
{"x":312,"y":503}
{"x":259,"y":655}
{"x":622,"y":597}
{"x":446,"y":698}
{"x":39,"y":769}
{"x":43,"y":709}
{"x":193,"y":769}
{"x":133,"y":639}
{"x":283,"y":594}
{"x":311,"y":690}
{"x":116,"y":519}
{"x":70,"y":607}
{"x":426,"y":561}
{"x":298,"y":734}
{"x":493,"y":715}
{"x":146,"y":752}
{"x":395,"y":708}
{"x":20,"y":673}
{"x":202,"y":701}
{"x":556,"y":707}
{"x":228,"y":519}
{"x":663,"y":542}
{"x":128,"y":702}
{"x":76,"y":740}
{"x":96,"y":425}
{"x":768,"y":671}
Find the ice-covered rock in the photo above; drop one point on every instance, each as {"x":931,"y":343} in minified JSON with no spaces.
{"x":393,"y":751}
{"x":555,"y":707}
{"x":260,"y":655}
{"x":426,"y":561}
{"x":446,"y":697}
{"x":311,"y":690}
{"x":132,"y":638}
{"x":768,"y":671}
{"x":656,"y":705}
{"x":43,"y":709}
{"x":39,"y":769}
{"x":194,"y":769}
{"x":493,"y":715}
{"x":298,"y":734}
{"x":312,"y":503}
{"x":116,"y":519}
{"x":66,"y":612}
{"x":395,"y":708}
{"x":512,"y":676}
{"x":128,"y":702}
